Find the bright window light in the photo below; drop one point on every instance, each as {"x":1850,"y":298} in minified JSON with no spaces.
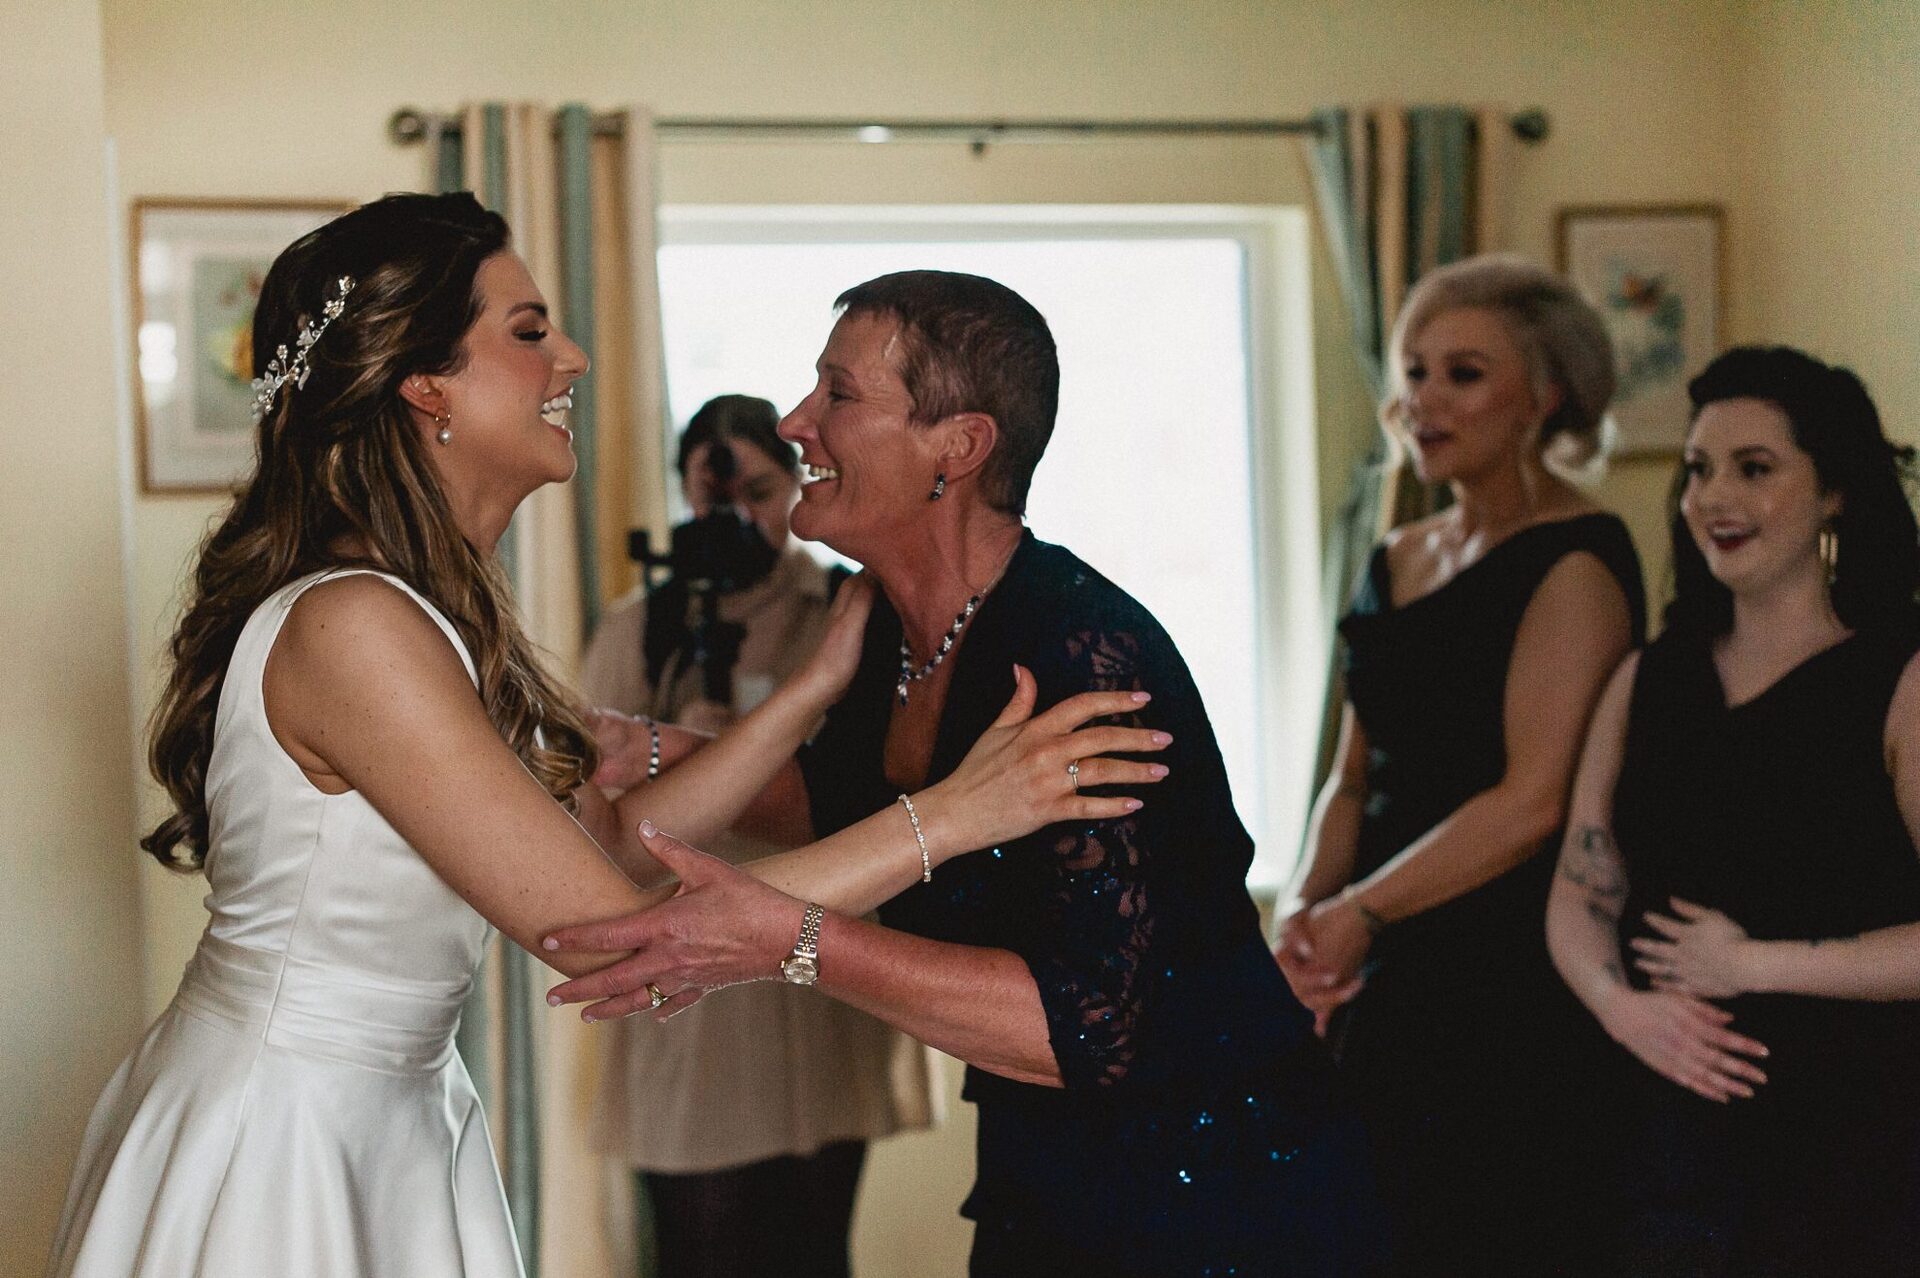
{"x":1151,"y":472}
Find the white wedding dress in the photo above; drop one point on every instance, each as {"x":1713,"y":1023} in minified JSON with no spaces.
{"x":299,"y":1108}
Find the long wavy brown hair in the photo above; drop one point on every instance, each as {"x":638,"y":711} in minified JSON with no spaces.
{"x":342,"y":463}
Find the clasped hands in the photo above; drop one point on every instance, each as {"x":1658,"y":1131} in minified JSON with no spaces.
{"x":1320,"y":949}
{"x":722,"y":926}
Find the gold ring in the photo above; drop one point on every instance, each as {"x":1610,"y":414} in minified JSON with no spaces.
{"x":653,"y":992}
{"x":1073,"y":775}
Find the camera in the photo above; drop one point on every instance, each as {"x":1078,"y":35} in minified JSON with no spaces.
{"x":715,"y":554}
{"x":721,"y":550}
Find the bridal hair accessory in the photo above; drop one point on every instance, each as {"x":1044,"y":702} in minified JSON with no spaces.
{"x":283,"y":368}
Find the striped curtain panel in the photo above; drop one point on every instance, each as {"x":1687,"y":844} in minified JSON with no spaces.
{"x":582,"y":206}
{"x":1399,"y":191}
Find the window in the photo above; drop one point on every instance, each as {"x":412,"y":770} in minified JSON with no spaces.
{"x":1182,"y":464}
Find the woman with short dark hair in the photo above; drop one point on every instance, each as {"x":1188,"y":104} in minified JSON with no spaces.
{"x":1744,"y":826}
{"x":1152,"y":1100}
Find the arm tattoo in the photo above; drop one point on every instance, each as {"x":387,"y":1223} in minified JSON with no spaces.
{"x":1591,"y":862}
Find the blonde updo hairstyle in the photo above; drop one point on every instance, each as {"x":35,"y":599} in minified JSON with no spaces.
{"x":1562,"y":339}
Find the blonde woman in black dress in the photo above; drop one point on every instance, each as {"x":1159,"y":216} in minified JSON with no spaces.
{"x":1478,"y":644}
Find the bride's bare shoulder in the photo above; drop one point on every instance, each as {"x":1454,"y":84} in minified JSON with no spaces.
{"x":361,"y":638}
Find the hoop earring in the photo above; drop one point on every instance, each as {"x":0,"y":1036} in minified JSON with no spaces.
{"x":939,"y":487}
{"x":1830,"y":553}
{"x":445,"y":433}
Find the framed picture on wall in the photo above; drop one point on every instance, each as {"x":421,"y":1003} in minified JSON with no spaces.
{"x":197,"y":270}
{"x":1656,"y":274}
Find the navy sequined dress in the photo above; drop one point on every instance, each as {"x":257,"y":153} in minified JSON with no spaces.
{"x":1198,"y":1130}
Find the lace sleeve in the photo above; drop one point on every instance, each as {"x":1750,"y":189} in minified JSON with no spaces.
{"x":1099,"y":908}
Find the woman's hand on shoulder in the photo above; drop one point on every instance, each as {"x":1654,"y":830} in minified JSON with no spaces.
{"x":831,"y":668}
{"x":1686,"y":1040}
{"x":1016,"y":777}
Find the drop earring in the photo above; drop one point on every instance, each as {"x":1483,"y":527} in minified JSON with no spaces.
{"x":445,"y":433}
{"x":1830,"y":552}
{"x":939,"y":487}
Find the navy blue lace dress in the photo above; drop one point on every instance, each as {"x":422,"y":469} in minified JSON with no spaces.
{"x":1472,"y":1063}
{"x":1198,"y":1130}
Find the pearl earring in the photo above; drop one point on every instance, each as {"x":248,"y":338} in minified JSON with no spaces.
{"x":445,"y":434}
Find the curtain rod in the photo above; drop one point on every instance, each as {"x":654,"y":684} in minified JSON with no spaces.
{"x":409,"y":125}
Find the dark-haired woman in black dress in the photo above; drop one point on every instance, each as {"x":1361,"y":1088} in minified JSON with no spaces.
{"x":1478,"y":644}
{"x":1745,"y":822}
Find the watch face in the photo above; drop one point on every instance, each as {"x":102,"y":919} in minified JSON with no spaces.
{"x":800,"y":970}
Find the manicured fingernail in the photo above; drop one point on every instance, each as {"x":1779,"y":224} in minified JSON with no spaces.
{"x":1158,"y":770}
{"x":548,"y":943}
{"x":1134,"y":805}
{"x":553,"y":1000}
{"x":1161,"y":738}
{"x":588,"y":1017}
{"x":646,"y":830}
{"x":1141,"y":698}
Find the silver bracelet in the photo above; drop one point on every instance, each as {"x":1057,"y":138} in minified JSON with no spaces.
{"x":926,"y":861}
{"x":653,"y":754}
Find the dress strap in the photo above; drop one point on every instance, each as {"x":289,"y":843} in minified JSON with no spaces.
{"x":439,"y":618}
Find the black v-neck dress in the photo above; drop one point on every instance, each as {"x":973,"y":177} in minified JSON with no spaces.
{"x":1465,"y":1050}
{"x":1198,"y":1131}
{"x":1779,"y":812}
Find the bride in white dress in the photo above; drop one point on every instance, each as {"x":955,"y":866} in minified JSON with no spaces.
{"x":365,"y":758}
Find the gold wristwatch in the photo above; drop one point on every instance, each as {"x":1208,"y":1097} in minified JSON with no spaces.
{"x":802,"y":967}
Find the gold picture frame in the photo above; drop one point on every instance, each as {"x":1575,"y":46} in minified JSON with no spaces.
{"x":195,"y":272}
{"x":1657,"y":275}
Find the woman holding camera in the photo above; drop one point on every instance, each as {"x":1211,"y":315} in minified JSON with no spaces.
{"x":747,"y":1118}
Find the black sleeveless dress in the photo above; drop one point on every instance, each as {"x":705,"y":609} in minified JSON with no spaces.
{"x":1780,"y":813}
{"x":1473,"y":1063}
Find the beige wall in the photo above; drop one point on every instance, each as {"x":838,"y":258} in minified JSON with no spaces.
{"x":70,"y":912}
{"x":1642,"y":96}
{"x":1831,"y":163}
{"x":1803,"y":139}
{"x":1823,"y":209}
